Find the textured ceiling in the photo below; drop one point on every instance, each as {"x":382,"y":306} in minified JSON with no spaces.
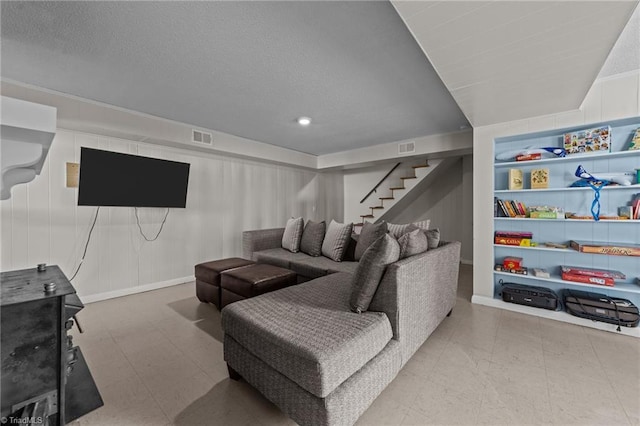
{"x":625,"y":55}
{"x":244,"y":68}
{"x":509,"y":60}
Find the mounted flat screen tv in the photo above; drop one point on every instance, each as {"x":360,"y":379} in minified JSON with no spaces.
{"x":114,"y":179}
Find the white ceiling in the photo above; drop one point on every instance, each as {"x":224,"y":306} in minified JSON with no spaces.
{"x":244,"y":68}
{"x":625,"y":55}
{"x":507,"y":60}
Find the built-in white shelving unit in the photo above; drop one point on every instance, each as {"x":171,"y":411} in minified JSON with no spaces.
{"x":575,"y":200}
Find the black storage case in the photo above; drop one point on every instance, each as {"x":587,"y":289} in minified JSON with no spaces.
{"x":537,"y":297}
{"x":600,"y":307}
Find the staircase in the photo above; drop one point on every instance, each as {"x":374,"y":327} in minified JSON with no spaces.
{"x":401,"y":182}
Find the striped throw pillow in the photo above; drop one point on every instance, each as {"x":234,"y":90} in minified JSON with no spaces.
{"x":293,"y":235}
{"x":398,"y":230}
{"x":336,"y":240}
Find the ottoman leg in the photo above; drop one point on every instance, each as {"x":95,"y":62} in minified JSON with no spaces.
{"x":233,"y":374}
{"x":208,"y":293}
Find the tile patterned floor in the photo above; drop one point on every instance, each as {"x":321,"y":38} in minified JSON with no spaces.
{"x":157,"y":360}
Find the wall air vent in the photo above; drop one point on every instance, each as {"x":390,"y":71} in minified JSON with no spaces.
{"x":406,"y":147}
{"x":201,"y":137}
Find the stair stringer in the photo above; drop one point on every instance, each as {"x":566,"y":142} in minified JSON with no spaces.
{"x":412,"y":192}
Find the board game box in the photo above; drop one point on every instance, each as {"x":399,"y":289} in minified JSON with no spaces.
{"x":590,"y":272}
{"x":589,"y":141}
{"x":606,"y":248}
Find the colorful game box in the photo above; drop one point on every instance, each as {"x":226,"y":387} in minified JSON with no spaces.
{"x":635,"y":141}
{"x":589,"y":141}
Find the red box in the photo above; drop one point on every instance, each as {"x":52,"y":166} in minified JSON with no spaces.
{"x":586,"y":279}
{"x":512,"y":262}
{"x":528,"y":157}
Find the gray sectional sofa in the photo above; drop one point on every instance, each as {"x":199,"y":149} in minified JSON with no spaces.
{"x":306,"y":351}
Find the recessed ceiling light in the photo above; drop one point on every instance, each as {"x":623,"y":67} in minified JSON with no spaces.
{"x":304,"y":121}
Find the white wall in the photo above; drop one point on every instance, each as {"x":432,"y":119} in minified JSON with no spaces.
{"x":447,"y":202}
{"x":435,"y":146}
{"x":357,"y":183}
{"x":609,"y":99}
{"x":41,"y":222}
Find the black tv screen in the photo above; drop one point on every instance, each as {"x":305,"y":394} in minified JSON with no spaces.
{"x":114,"y":179}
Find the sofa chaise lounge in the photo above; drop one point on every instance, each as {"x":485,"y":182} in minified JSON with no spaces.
{"x":306,"y":351}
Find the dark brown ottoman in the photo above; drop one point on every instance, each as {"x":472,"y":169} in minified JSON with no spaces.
{"x":208,"y":278}
{"x":243,"y":283}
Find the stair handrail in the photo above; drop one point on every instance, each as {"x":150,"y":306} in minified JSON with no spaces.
{"x":379,"y":183}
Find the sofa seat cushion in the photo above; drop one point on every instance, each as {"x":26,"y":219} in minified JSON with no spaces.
{"x":278,"y":257}
{"x":308,"y":332}
{"x":314,"y":267}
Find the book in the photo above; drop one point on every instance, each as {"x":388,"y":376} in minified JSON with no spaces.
{"x":523,"y":208}
{"x":516,"y":180}
{"x":585,"y":279}
{"x":507,"y":241}
{"x":591,"y":272}
{"x":613,"y":249}
{"x":510,"y":210}
{"x":503,"y":208}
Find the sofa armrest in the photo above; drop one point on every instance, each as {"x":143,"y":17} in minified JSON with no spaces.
{"x":417,"y":293}
{"x":262,"y":239}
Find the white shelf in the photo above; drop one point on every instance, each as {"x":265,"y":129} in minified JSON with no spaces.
{"x":567,"y":220}
{"x":571,"y":198}
{"x":554,"y":315}
{"x":586,"y":188}
{"x":626,"y":287}
{"x":569,"y":158}
{"x":542,"y":248}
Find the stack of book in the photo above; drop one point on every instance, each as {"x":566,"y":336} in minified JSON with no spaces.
{"x":509,"y":208}
{"x":591,"y":276}
{"x":513,"y":238}
{"x":632,"y":211}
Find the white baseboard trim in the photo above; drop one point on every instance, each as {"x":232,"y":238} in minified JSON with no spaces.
{"x":554,"y":315}
{"x":133,"y":290}
{"x":466,"y":261}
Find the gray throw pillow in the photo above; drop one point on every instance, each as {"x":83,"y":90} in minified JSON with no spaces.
{"x":433,"y":238}
{"x":292,"y":234}
{"x":412,"y":243}
{"x":397,"y":230}
{"x":336,"y":240}
{"x":369,"y":234}
{"x":384,"y":251}
{"x":312,"y":238}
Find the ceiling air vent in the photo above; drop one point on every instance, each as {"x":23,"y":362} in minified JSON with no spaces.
{"x":406,"y":147}
{"x":201,"y":137}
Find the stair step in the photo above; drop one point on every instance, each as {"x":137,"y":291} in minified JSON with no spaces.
{"x":397,"y":187}
{"x":386,"y":198}
{"x":408,"y":177}
{"x":366,"y":216}
{"x":419,"y":166}
{"x":377,"y":207}
{"x":358,"y":224}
